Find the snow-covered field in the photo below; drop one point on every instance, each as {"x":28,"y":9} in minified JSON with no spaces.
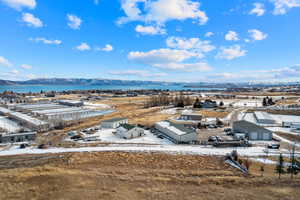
{"x":172,"y":149}
{"x":247,"y":103}
{"x":286,"y":118}
{"x":96,"y":106}
{"x":170,"y":111}
{"x":285,"y":130}
{"x":285,"y":140}
{"x":107,"y":135}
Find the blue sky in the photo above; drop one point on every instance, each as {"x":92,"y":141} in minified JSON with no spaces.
{"x":169,"y":40}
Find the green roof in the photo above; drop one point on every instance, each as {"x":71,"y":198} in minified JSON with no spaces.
{"x":127,"y":126}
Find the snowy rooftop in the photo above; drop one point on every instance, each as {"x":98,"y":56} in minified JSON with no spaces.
{"x":169,"y":126}
{"x":4,"y":110}
{"x":33,"y":106}
{"x":28,"y":118}
{"x":263,"y":115}
{"x":59,"y":110}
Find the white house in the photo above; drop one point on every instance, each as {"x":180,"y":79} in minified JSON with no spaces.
{"x":114,"y":123}
{"x":128,"y":131}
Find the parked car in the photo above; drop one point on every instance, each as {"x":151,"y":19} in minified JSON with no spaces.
{"x":71,"y":133}
{"x":43,"y":146}
{"x":212,"y":126}
{"x":76,"y":137}
{"x":212,"y":138}
{"x":23,"y":146}
{"x":227,"y":130}
{"x":273,"y":146}
{"x":160,"y":136}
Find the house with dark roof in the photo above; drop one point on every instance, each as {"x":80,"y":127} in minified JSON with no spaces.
{"x":114,"y":122}
{"x":128,"y":131}
{"x":252,"y":131}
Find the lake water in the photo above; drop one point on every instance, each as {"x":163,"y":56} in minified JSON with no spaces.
{"x":38,"y":88}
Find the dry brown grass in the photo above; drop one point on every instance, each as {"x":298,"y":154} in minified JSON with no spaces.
{"x":294,"y":138}
{"x":213,"y":113}
{"x":133,"y":176}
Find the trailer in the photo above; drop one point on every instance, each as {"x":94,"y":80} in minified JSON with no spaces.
{"x":232,"y":143}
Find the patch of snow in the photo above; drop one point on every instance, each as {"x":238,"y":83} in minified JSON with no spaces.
{"x":107,"y":135}
{"x":170,"y":111}
{"x":285,"y":140}
{"x":286,"y":118}
{"x":96,"y":105}
{"x":171,"y":149}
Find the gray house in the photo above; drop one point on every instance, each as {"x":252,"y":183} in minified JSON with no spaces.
{"x":191,"y":117}
{"x":128,"y":131}
{"x":252,"y":131}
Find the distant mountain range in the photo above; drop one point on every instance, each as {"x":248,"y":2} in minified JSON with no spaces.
{"x":81,"y":81}
{"x":89,"y":82}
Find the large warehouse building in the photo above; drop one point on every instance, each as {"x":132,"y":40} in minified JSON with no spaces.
{"x":177,"y":133}
{"x":252,"y":131}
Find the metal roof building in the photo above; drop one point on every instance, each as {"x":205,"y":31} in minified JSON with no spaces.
{"x":177,"y":133}
{"x":252,"y":131}
{"x":264,"y":118}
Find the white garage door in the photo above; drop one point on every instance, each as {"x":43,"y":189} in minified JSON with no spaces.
{"x":266,"y":136}
{"x":254,"y":136}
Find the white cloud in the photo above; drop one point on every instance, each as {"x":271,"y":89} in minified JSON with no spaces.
{"x":187,"y":67}
{"x":194,"y":44}
{"x":20,"y":4}
{"x":231,"y":36}
{"x":107,"y":48}
{"x":25,"y":66}
{"x":74,"y":21}
{"x":159,"y":56}
{"x":15,"y":72}
{"x":150,"y":30}
{"x":231,"y":52}
{"x":4,"y":62}
{"x":258,"y":9}
{"x":286,"y":73}
{"x":257,"y":34}
{"x":161,"y":11}
{"x":83,"y":47}
{"x":282,"y":6}
{"x":45,"y":41}
{"x":142,"y":73}
{"x":31,"y":20}
{"x":172,"y":59}
{"x":209,"y":34}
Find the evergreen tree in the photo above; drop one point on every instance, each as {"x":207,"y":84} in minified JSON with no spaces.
{"x":264,"y":103}
{"x":294,"y":168}
{"x":221,"y":104}
{"x":279,"y":167}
